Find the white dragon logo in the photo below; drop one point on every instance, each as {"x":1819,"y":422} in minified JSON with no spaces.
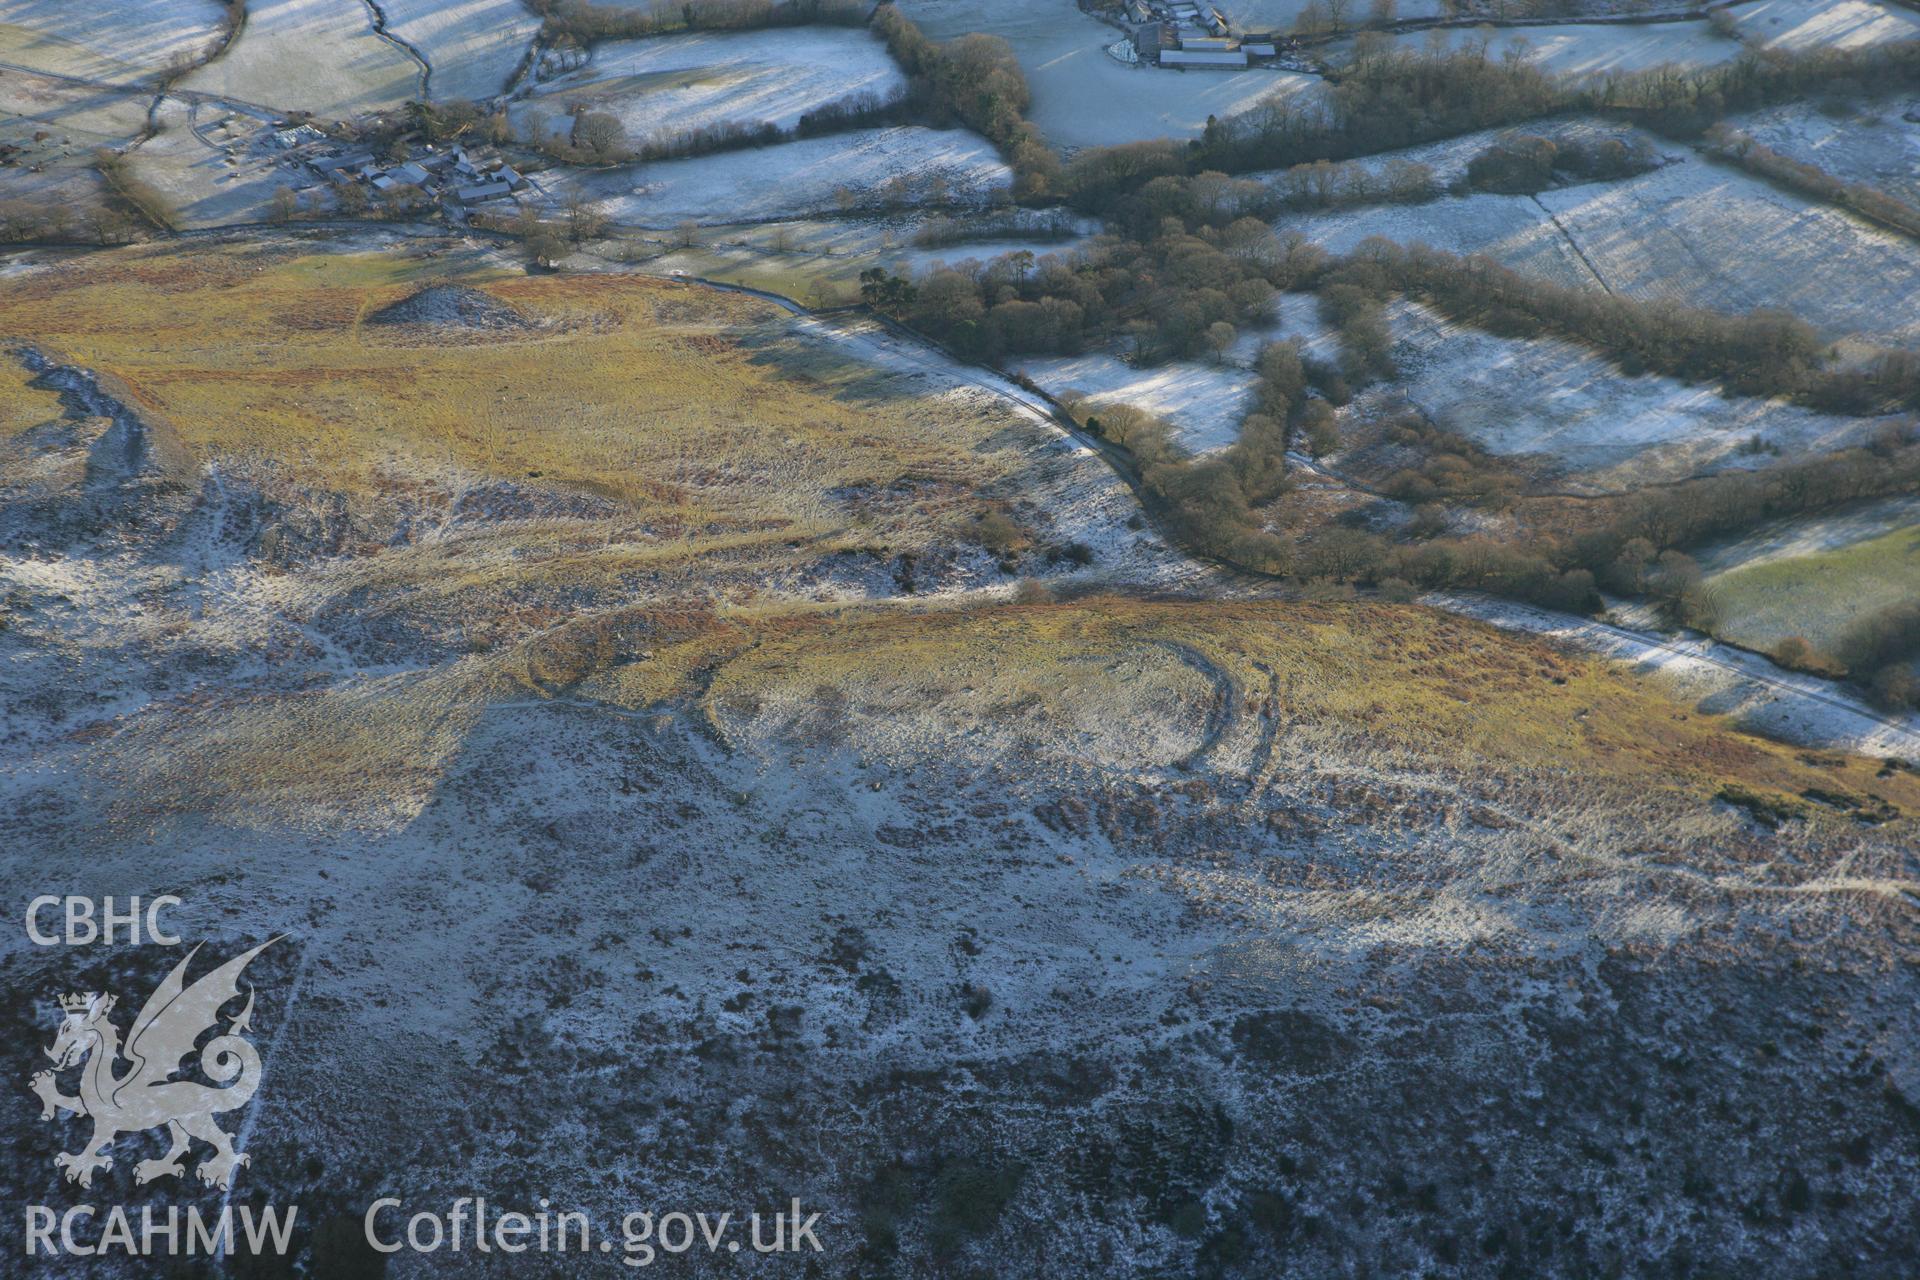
{"x":145,"y":1096}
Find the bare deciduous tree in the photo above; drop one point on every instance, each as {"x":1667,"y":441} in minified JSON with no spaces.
{"x":600,"y":135}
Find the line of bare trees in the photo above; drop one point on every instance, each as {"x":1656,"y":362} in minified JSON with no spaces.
{"x":1763,"y":352}
{"x":132,"y":193}
{"x":1391,"y":97}
{"x":975,"y":81}
{"x":1869,"y":202}
{"x":583,"y":22}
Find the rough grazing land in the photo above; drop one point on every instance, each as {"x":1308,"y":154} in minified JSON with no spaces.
{"x":699,"y":755}
{"x":677,"y":423}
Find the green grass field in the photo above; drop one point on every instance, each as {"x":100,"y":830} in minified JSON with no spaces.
{"x":1817,"y":597}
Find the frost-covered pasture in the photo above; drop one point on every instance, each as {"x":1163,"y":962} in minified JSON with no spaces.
{"x":1708,"y":235}
{"x":1515,"y":230}
{"x":124,"y":41}
{"x":52,"y":178}
{"x":670,"y":85}
{"x":1084,"y":98}
{"x":913,"y":236}
{"x":1797,"y":25}
{"x":1811,"y":576}
{"x":202,"y":183}
{"x":76,"y":117}
{"x":1605,"y":429}
{"x":1203,"y":403}
{"x":1580,"y":50}
{"x":62,"y":199}
{"x":472,"y":46}
{"x":1296,"y":318}
{"x":837,"y":173}
{"x":321,"y":56}
{"x":1872,"y":143}
{"x":1699,"y":233}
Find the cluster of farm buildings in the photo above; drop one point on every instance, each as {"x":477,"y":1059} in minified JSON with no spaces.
{"x":451,"y":174}
{"x":1191,"y":33}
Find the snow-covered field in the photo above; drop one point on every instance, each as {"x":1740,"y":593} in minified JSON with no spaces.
{"x":1082,"y":97}
{"x":1516,"y":230}
{"x":915,"y":260}
{"x":1296,"y":319}
{"x":116,"y":40}
{"x":1563,"y":400}
{"x":1874,"y":145}
{"x":1708,"y":235}
{"x":186,"y":164}
{"x":675,"y":84}
{"x":75,"y":117}
{"x":794,"y":179}
{"x":1580,"y":50}
{"x":1203,"y":403}
{"x":1823,"y":24}
{"x":473,"y":46}
{"x":1699,"y":233}
{"x":321,"y":56}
